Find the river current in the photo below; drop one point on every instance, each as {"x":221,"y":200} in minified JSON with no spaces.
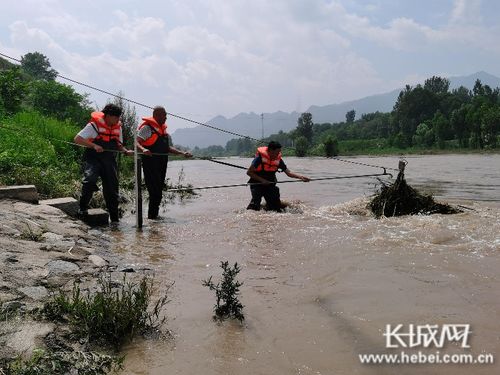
{"x":323,"y":280}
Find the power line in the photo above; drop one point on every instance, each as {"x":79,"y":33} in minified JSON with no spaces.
{"x":279,"y":182}
{"x":142,"y":104}
{"x":259,"y":141}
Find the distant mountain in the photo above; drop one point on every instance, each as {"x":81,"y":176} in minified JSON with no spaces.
{"x":251,"y":124}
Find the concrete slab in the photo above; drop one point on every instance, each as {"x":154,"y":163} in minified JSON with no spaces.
{"x":26,"y":193}
{"x":68,"y":205}
{"x":96,"y":217}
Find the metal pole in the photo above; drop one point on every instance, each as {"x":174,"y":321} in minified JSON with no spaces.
{"x":262,"y":123}
{"x":138,"y":183}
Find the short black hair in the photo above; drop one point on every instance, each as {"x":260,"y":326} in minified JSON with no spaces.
{"x":112,"y":110}
{"x":273,"y":145}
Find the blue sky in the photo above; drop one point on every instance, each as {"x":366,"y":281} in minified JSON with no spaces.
{"x":201,"y":58}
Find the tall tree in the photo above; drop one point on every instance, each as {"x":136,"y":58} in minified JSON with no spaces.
{"x":350,"y":116}
{"x":305,"y":126}
{"x":441,"y":128}
{"x":490,"y":126}
{"x":437,"y":85}
{"x":459,"y":125}
{"x":13,"y":90}
{"x":58,"y":100}
{"x":37,"y":65}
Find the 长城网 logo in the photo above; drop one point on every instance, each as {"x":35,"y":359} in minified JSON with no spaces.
{"x":426,"y":335}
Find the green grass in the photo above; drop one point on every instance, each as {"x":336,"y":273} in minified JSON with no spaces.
{"x":112,"y":315}
{"x":49,"y":363}
{"x":30,"y":153}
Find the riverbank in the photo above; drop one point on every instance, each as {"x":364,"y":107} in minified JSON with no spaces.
{"x":43,"y":251}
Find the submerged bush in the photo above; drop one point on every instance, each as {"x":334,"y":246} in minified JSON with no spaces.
{"x":113,"y":314}
{"x":226,"y":292}
{"x":401,"y":199}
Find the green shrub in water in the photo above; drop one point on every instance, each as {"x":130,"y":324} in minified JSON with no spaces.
{"x":226,"y":293}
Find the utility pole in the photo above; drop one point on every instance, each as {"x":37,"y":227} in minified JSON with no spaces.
{"x":262,"y":123}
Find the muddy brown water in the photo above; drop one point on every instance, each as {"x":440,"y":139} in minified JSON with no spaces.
{"x":322,"y":281}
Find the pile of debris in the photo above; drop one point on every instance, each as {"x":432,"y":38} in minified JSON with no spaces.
{"x":399,"y":199}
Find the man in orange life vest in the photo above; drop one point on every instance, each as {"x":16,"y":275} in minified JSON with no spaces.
{"x":153,"y":142}
{"x":263,"y":170}
{"x":103,"y":138}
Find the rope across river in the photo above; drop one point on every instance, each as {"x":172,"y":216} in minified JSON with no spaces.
{"x":278,"y":182}
{"x":259,"y":141}
{"x":210,"y":159}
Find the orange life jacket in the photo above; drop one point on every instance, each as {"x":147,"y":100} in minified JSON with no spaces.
{"x":267,"y":164}
{"x":105,"y":133}
{"x":157,"y":131}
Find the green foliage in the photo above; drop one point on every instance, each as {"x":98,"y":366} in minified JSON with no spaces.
{"x":13,"y":89}
{"x":437,"y":85}
{"x":304,"y":127}
{"x":301,"y":147}
{"x":37,"y":65}
{"x":441,"y":128}
{"x":331,"y":146}
{"x":112,"y":315}
{"x":69,"y":362}
{"x":209,"y":151}
{"x":226,"y":293}
{"x":350,"y":116}
{"x":240,"y":146}
{"x":59,"y":101}
{"x":5,"y":64}
{"x":424,"y":136}
{"x":30,"y":154}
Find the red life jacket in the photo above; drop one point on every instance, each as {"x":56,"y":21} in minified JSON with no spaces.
{"x":105,"y":133}
{"x":157,"y":131}
{"x":267,"y":164}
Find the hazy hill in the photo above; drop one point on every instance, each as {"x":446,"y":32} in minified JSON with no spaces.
{"x":250,"y":123}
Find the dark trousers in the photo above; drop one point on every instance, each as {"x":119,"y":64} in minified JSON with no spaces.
{"x":106,"y":168}
{"x":271,"y":194}
{"x":155,"y":171}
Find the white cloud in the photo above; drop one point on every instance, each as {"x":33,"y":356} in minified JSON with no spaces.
{"x":466,"y":12}
{"x":227,"y":57}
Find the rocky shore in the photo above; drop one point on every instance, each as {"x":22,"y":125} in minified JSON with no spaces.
{"x":42,"y":251}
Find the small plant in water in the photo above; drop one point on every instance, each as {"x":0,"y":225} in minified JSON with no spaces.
{"x":226,"y":293}
{"x":111,"y":315}
{"x":183,"y":194}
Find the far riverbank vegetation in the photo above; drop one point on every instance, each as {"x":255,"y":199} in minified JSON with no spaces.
{"x":40,"y":116}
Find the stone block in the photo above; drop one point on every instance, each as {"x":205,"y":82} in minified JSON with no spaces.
{"x":26,"y":193}
{"x":96,"y":217}
{"x":67,"y":205}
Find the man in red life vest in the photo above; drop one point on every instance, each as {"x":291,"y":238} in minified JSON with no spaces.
{"x":153,"y":141}
{"x":263,"y":170}
{"x":103,"y":138}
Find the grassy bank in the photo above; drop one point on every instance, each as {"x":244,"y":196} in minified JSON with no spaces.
{"x":37,"y":150}
{"x":33,"y":152}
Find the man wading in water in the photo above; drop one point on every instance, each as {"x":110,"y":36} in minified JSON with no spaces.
{"x":263,"y":170}
{"x":153,"y":142}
